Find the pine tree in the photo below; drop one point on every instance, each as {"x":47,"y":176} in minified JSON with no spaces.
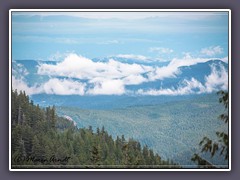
{"x":36,"y":148}
{"x":222,"y":145}
{"x":27,"y":137}
{"x":96,"y":155}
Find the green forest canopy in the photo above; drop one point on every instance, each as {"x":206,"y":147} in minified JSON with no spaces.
{"x":41,"y":139}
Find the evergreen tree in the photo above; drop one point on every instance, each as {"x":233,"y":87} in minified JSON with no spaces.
{"x":27,"y":137}
{"x":212,"y":147}
{"x":95,"y":155}
{"x":36,"y":148}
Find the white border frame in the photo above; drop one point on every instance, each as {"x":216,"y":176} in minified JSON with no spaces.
{"x":121,"y":10}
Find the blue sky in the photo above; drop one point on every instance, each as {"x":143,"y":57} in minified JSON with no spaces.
{"x":154,"y":35}
{"x":134,"y":45}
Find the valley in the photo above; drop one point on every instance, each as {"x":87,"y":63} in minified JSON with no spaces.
{"x":172,"y":129}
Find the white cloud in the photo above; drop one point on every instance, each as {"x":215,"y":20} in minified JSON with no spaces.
{"x":212,"y":51}
{"x":172,"y":69}
{"x":218,"y":79}
{"x":126,"y":69}
{"x":64,"y":87}
{"x":161,"y":50}
{"x":225,"y":59}
{"x":188,"y":60}
{"x":66,"y":40}
{"x":186,"y":87}
{"x":134,"y":80}
{"x":112,"y":76}
{"x":132,"y":56}
{"x":107,"y":87}
{"x":75,"y":66}
{"x":19,"y":70}
{"x":21,"y":85}
{"x":161,"y":73}
{"x":105,"y":77}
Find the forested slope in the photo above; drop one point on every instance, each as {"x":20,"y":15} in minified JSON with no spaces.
{"x":41,"y":139}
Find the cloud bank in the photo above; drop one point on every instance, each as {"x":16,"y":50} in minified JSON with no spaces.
{"x":75,"y":66}
{"x":64,"y":87}
{"x":77,"y":75}
{"x":161,"y":50}
{"x":212,"y":51}
{"x":20,"y":84}
{"x":218,"y":79}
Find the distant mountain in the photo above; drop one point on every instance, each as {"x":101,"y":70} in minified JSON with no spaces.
{"x":147,"y":62}
{"x":197,"y":71}
{"x":105,"y":101}
{"x":27,"y":71}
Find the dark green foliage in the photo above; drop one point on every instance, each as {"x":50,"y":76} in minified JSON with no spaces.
{"x":221,"y":145}
{"x":41,"y":139}
{"x":95,"y":155}
{"x":203,"y":163}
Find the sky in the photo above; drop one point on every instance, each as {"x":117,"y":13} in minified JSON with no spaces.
{"x":75,"y":39}
{"x":150,"y":35}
